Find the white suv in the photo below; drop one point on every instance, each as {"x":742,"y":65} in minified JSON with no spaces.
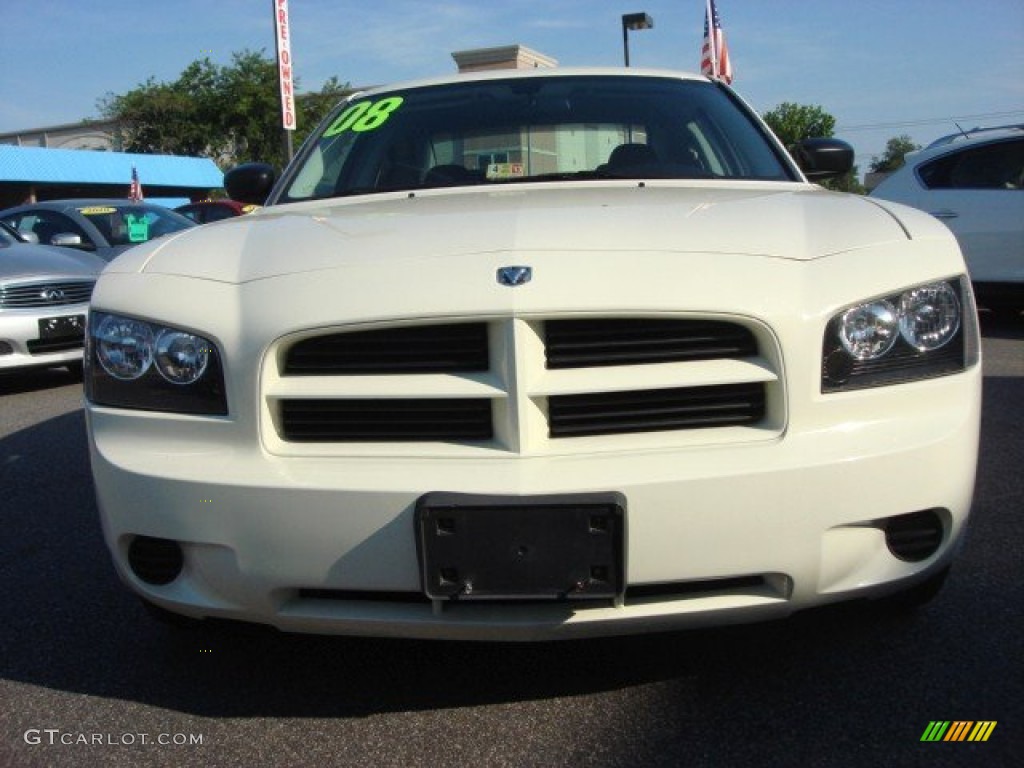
{"x":976,"y":186}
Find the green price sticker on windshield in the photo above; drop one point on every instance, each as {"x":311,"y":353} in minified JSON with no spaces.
{"x":364,"y":116}
{"x":138,"y":228}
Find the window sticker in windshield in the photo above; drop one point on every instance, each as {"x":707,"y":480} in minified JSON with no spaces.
{"x":96,"y":210}
{"x":364,"y":116}
{"x":138,"y":228}
{"x":505,"y":170}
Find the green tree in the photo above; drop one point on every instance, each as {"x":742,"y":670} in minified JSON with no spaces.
{"x":796,"y":122}
{"x":895,"y":150}
{"x":165,"y":118}
{"x":230,"y":114}
{"x":314,"y":106}
{"x":793,"y":123}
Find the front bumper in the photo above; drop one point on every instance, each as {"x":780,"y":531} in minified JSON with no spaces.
{"x":715,"y":533}
{"x":22,"y":347}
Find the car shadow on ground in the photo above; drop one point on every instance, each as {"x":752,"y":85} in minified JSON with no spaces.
{"x":1001,"y":326}
{"x":36,"y":379}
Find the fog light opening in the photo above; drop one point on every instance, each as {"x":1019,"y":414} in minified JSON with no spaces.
{"x":915,"y":536}
{"x":155,"y":561}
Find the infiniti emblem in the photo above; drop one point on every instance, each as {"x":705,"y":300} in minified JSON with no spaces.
{"x":53,"y":295}
{"x":513,"y":276}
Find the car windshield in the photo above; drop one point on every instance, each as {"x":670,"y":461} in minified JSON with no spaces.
{"x":534,"y":129}
{"x":131,"y":224}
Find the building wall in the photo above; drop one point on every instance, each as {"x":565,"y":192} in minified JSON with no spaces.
{"x":101,"y":135}
{"x":502,"y":57}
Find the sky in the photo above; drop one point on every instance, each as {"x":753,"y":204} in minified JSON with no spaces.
{"x":882,"y":69}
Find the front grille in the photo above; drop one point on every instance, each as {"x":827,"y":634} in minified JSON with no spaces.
{"x":45,"y":294}
{"x":655,"y":410}
{"x":521,"y":384}
{"x":450,"y":348}
{"x":635,"y":341}
{"x":386,"y":420}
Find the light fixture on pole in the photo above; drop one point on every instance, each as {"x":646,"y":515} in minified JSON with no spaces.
{"x":633,"y":21}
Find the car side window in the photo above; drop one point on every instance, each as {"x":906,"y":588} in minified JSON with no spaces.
{"x":995,"y":166}
{"x":46,"y":224}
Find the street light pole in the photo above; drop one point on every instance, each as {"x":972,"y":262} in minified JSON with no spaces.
{"x":633,"y":21}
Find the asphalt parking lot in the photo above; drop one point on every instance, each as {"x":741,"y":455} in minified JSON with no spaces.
{"x":87,"y":678}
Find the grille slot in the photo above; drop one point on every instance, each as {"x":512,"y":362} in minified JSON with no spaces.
{"x":386,"y":420}
{"x":655,"y":410}
{"x":45,"y":294}
{"x":452,"y":348}
{"x":634,"y":341}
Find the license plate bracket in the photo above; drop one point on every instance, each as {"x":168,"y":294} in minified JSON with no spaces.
{"x":561,"y":547}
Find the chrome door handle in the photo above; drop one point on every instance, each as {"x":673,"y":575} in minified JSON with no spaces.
{"x":944,"y":214}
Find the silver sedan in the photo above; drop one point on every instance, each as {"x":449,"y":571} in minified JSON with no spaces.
{"x":44,"y":299}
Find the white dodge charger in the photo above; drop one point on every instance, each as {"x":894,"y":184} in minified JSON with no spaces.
{"x":536,"y":355}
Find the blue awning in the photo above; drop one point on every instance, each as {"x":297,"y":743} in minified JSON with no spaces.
{"x":37,"y":165}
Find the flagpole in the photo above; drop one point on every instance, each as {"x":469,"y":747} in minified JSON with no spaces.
{"x":712,"y":39}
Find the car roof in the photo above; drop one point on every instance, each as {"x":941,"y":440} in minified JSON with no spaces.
{"x":229,"y":203}
{"x":81,"y":202}
{"x":935,"y":149}
{"x":526,"y":74}
{"x":976,"y":134}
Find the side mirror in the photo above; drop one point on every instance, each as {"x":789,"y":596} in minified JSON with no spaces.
{"x":821,"y":159}
{"x":250,"y":183}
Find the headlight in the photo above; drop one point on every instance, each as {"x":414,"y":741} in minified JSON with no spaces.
{"x":926,"y":331}
{"x":133,"y":363}
{"x":181,"y":358}
{"x":124,"y":347}
{"x":929,"y":316}
{"x":869,"y":330}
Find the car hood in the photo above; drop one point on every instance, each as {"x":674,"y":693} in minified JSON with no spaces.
{"x":28,"y":261}
{"x":775,"y":220}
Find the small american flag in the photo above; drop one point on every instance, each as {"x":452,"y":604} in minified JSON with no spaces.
{"x":135,"y":190}
{"x":714,"y":54}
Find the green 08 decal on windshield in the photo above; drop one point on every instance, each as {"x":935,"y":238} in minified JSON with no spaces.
{"x":364,"y":116}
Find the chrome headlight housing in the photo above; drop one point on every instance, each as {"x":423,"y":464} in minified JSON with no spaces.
{"x":925,"y":331}
{"x":134,"y":363}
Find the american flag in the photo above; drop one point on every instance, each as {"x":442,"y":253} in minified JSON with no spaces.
{"x":135,"y":190}
{"x":714,"y":54}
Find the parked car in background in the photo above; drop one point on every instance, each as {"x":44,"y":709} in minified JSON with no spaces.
{"x":105,"y":227}
{"x":44,"y":297}
{"x":206,"y":211}
{"x":537,"y":354}
{"x":975,"y":184}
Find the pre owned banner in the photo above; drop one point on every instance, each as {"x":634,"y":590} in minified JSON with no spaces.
{"x":284,"y":64}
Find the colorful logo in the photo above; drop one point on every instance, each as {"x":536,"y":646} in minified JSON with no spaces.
{"x":958,"y":730}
